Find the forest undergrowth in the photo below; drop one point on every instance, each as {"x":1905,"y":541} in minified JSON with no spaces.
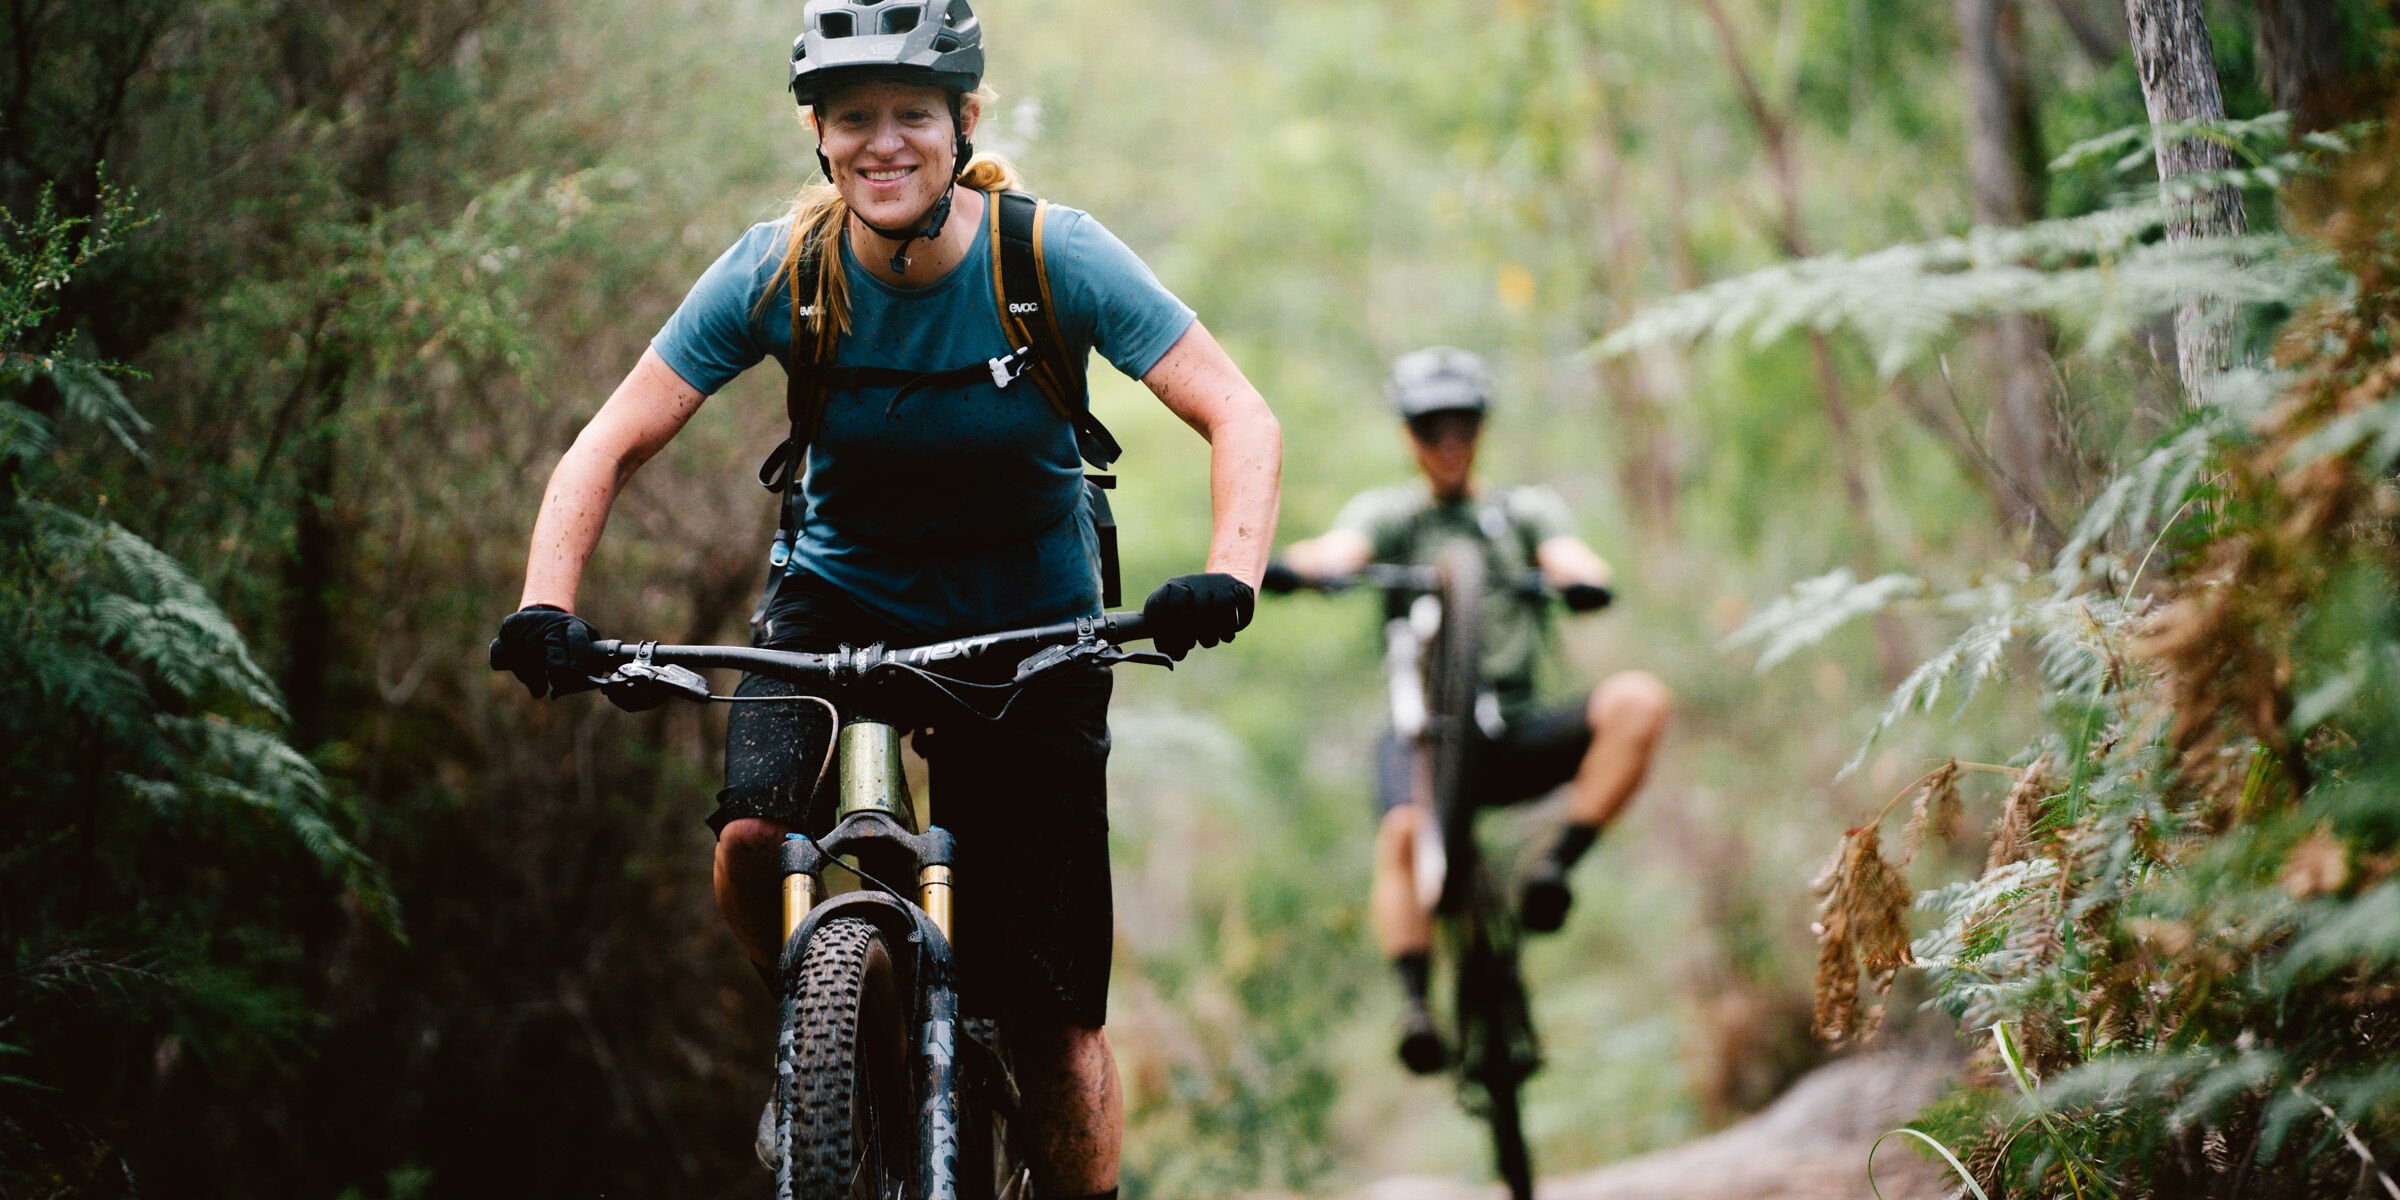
{"x":2180,"y":951}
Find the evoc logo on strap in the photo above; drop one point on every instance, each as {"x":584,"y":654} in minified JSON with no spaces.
{"x":1020,"y":308}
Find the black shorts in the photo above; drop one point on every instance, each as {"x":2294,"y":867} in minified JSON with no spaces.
{"x":1531,"y":757}
{"x":1026,"y":797}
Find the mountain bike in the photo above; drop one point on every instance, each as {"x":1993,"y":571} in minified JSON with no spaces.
{"x":1433,"y":653}
{"x":882,"y":1091}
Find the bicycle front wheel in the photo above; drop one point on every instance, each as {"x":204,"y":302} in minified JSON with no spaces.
{"x":1453,"y":683}
{"x":849,"y":1103}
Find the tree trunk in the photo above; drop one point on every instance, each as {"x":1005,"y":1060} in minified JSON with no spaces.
{"x":1647,"y":450}
{"x":2300,"y":58}
{"x":2005,"y":161}
{"x":2179,"y":83}
{"x":312,"y":577}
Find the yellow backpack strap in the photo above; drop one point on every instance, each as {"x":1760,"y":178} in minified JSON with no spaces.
{"x":1021,"y":291}
{"x":807,"y":381}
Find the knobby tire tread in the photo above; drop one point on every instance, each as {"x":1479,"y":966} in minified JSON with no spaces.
{"x":846,"y":978}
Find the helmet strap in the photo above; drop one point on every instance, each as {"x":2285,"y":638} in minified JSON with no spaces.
{"x":929,"y":229}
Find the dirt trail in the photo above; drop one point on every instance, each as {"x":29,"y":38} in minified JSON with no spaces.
{"x":1811,"y":1144}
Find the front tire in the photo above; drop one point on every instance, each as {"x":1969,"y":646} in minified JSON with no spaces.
{"x":842,"y":1067}
{"x":1453,"y":684}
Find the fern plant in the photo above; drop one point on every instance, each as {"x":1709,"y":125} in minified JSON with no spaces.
{"x":2185,"y":941}
{"x":152,"y":805}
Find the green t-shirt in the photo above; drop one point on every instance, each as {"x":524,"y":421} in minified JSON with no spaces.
{"x":1405,"y":524}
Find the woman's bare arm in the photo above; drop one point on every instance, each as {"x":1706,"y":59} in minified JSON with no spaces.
{"x":1200,"y":383}
{"x":640,"y":418}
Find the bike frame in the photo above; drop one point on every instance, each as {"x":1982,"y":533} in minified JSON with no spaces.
{"x":876,"y":819}
{"x":876,"y":828}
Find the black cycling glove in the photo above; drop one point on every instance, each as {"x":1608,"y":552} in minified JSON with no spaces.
{"x":1586,"y":597}
{"x":547,"y":648}
{"x":1203,"y":609}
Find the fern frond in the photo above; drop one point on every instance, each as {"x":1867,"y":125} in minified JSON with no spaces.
{"x":2213,"y":1092}
{"x":2110,"y":1080}
{"x":2136,"y":146}
{"x":2106,"y":272}
{"x":1974,"y":655}
{"x":24,"y":435}
{"x":2362,"y":935}
{"x":90,"y":395}
{"x":1814,"y":608}
{"x":2372,"y":431}
{"x":162,"y":619}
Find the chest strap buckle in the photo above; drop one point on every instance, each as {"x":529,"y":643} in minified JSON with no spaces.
{"x":1010,"y":367}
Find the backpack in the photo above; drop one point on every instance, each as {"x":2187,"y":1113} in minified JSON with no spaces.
{"x":1021,"y":293}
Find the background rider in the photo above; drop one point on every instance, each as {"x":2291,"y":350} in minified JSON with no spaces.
{"x":1599,"y":746}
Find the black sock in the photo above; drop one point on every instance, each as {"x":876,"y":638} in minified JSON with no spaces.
{"x":1416,"y":972}
{"x":1572,"y":842}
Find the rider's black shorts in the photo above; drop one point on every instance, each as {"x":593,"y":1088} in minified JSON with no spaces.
{"x":1533,"y":755}
{"x":1026,"y":797}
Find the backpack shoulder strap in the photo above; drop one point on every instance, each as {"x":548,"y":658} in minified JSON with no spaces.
{"x":1512,"y":504}
{"x":1021,"y":291}
{"x":807,"y":379}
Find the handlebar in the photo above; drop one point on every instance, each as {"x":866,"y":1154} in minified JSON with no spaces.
{"x":1042,"y":649}
{"x":1281,"y":579}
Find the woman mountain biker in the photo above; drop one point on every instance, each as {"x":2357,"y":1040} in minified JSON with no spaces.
{"x":926,"y":513}
{"x":1598,"y":745}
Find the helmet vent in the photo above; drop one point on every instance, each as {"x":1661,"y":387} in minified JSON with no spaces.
{"x":836,"y":24}
{"x":899,"y":19}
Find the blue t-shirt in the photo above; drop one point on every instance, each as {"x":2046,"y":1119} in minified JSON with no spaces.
{"x":961,"y":510}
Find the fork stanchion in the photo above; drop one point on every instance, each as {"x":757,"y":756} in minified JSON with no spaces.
{"x":934,"y":896}
{"x":799,"y":896}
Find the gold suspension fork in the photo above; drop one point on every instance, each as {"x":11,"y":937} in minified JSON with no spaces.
{"x":799,"y":896}
{"x":933,"y":895}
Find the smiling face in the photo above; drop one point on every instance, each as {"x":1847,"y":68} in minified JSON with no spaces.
{"x":892,"y":148}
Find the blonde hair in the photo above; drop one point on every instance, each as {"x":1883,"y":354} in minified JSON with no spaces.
{"x":818,"y":214}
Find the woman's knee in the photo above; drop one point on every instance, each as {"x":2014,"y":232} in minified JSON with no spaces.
{"x":749,"y":844}
{"x":1633,"y":704}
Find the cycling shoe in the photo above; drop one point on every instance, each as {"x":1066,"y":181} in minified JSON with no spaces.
{"x":1543,"y":898}
{"x":1421,"y":1048}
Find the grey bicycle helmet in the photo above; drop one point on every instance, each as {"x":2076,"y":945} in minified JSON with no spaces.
{"x":845,"y":41}
{"x":1438,"y":379}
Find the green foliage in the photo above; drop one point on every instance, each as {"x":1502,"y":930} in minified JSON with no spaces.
{"x":141,"y":737}
{"x":2104,"y":273}
{"x":2186,"y":942}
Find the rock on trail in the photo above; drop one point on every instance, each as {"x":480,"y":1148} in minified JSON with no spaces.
{"x":1811,"y":1144}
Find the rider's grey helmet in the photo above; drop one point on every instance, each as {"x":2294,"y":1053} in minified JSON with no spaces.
{"x":918,"y":41}
{"x":1438,"y":379}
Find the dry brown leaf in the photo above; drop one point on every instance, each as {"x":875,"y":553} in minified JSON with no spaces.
{"x":1938,"y":812}
{"x":2318,"y":866}
{"x":1862,"y":927}
{"x":2013,"y":834}
{"x":2171,"y":939}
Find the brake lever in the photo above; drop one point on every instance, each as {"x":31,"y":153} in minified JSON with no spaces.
{"x":1106,"y":654}
{"x":667,"y":677}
